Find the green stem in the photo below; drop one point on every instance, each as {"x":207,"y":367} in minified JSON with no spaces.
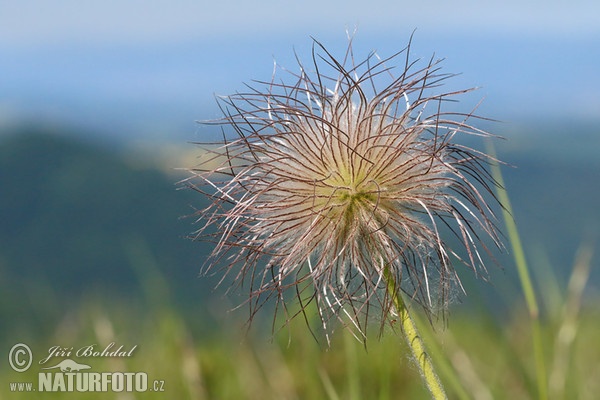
{"x":414,"y":341}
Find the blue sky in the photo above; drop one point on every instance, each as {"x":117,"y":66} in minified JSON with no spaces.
{"x":150,"y":68}
{"x":26,"y":22}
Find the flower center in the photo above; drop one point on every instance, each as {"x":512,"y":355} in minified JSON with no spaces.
{"x":352,"y":196}
{"x":350,"y":193}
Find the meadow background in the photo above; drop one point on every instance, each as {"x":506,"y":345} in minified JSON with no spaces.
{"x":97,"y":110}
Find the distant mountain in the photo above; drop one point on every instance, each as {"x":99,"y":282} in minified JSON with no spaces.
{"x":554,"y":184}
{"x":77,"y":218}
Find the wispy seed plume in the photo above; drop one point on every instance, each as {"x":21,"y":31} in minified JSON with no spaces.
{"x":340,"y":175}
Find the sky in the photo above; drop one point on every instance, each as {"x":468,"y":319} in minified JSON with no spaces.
{"x":30,"y":22}
{"x":149,"y":69}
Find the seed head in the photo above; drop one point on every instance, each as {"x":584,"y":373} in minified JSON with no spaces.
{"x":342,"y":177}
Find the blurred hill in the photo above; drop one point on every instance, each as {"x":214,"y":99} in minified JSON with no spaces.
{"x":76,"y":218}
{"x":554,"y":184}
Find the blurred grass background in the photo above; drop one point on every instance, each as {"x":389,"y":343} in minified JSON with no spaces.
{"x":92,"y":250}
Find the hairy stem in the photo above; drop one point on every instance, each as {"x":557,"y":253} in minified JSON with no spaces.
{"x":414,"y":341}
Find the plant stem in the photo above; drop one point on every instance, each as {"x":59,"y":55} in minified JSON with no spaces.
{"x":414,"y":341}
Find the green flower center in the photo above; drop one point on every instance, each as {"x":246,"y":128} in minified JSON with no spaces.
{"x":348,"y":193}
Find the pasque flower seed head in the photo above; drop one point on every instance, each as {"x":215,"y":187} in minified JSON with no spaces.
{"x":344,"y":173}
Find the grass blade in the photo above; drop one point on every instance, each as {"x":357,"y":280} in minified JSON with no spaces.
{"x":524,"y":276}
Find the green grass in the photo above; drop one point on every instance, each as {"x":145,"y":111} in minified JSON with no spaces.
{"x":477,"y":356}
